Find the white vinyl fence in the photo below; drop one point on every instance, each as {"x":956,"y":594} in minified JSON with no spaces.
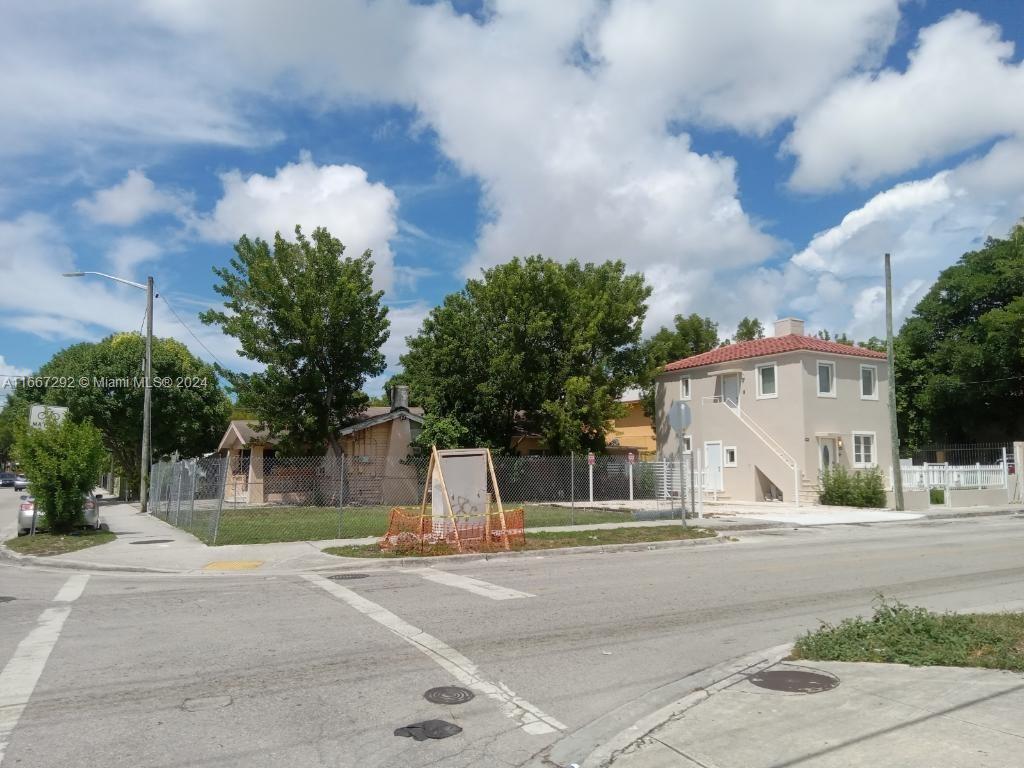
{"x":928,"y":476}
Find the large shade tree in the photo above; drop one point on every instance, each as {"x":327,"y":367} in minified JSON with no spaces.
{"x":103,"y":383}
{"x":960,"y":355}
{"x":310,"y":317}
{"x":689,"y":335}
{"x":534,"y":346}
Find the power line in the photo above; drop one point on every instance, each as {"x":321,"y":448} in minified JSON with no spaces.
{"x":183,"y":325}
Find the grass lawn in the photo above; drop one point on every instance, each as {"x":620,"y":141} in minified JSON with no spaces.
{"x":44,"y":544}
{"x":900,"y":634}
{"x":539,"y":541}
{"x":263,"y":525}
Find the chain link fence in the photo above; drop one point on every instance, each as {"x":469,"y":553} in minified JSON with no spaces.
{"x":238,"y":500}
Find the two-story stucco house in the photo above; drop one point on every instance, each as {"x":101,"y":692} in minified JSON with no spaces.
{"x":768,"y":415}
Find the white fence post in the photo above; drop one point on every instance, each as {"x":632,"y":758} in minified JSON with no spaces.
{"x":590,"y":473}
{"x":631,"y":481}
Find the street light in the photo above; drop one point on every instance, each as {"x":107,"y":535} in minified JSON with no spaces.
{"x":147,"y":407}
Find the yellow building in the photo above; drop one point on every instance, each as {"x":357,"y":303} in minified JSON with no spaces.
{"x":633,"y":433}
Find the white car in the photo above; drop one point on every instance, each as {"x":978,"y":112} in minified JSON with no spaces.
{"x":90,"y":513}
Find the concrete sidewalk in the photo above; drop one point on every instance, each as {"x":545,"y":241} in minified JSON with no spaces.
{"x":878,"y":715}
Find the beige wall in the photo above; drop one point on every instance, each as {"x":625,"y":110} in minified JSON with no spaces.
{"x":977,"y":497}
{"x":792,"y":418}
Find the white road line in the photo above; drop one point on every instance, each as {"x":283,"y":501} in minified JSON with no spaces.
{"x":530,"y":719}
{"x":476,"y":586}
{"x":18,"y":679}
{"x":72,"y":589}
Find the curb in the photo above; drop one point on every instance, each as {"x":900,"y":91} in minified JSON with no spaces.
{"x":603,"y":740}
{"x":405,"y":562}
{"x":30,"y":561}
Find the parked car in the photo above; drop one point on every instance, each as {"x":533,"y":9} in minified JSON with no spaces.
{"x":90,"y":513}
{"x":20,"y":483}
{"x":7,"y":479}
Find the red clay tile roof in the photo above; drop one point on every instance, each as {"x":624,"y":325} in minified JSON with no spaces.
{"x":772,"y":346}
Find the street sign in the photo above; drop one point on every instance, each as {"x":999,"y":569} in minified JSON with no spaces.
{"x":631,"y":457}
{"x":591,"y":459}
{"x":679,"y":415}
{"x":38,"y":414}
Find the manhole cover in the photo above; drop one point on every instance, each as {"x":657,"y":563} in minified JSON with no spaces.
{"x":347,"y":576}
{"x":429,"y":729}
{"x":448,"y":694}
{"x":5,"y":598}
{"x":794,"y":681}
{"x":152,"y":541}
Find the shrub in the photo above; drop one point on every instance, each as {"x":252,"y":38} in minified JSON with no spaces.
{"x":840,"y":487}
{"x":936,"y":496}
{"x":61,"y":461}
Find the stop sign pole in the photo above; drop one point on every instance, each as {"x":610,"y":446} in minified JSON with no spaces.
{"x":679,"y":418}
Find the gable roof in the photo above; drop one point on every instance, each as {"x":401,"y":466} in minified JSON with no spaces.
{"x":772,"y":346}
{"x":389,"y":414}
{"x":247,"y":433}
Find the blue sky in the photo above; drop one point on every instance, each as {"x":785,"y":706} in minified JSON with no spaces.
{"x":748,"y":158}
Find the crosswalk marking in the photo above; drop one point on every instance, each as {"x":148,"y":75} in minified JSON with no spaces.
{"x":531,"y":720}
{"x":476,"y":586}
{"x":18,"y":679}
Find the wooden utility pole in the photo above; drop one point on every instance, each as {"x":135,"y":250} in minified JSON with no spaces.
{"x":894,"y":434}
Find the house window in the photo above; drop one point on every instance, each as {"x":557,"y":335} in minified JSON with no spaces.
{"x":730,"y":456}
{"x":868,"y":382}
{"x":826,"y":379}
{"x":684,"y":388}
{"x":767,"y":385}
{"x":864,"y":449}
{"x":687,"y":444}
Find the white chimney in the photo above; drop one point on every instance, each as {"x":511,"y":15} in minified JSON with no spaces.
{"x":788,"y":325}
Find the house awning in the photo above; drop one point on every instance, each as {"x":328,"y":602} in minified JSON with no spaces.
{"x":725,"y":372}
{"x":827,"y":434}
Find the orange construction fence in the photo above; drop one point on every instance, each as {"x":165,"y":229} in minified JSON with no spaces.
{"x":419,"y":533}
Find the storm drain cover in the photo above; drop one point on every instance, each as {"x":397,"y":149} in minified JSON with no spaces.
{"x":794,"y":681}
{"x":152,"y":541}
{"x":448,"y":694}
{"x":347,"y":576}
{"x":429,"y":729}
{"x":5,"y":598}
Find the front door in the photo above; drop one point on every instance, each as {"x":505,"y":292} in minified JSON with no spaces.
{"x":731,"y":389}
{"x":713,"y":466}
{"x":826,"y":453}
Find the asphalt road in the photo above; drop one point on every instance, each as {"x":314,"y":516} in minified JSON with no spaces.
{"x":286,"y":670}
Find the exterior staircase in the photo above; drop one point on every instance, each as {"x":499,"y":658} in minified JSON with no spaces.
{"x":796,"y":484}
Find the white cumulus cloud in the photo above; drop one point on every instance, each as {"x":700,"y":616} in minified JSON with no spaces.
{"x":925,"y":224}
{"x":130,"y":201}
{"x":961,"y":88}
{"x":360,"y":213}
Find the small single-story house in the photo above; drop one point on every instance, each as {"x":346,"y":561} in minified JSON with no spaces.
{"x":375,"y":450}
{"x":769,"y":415}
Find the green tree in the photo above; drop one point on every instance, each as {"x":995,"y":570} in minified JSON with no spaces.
{"x":311,"y":317}
{"x":535,"y":345}
{"x":749,"y":329}
{"x":190,"y":409}
{"x":960,"y":355}
{"x":11,"y":417}
{"x":690,"y":335}
{"x":61,"y":461}
{"x":442,"y":431}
